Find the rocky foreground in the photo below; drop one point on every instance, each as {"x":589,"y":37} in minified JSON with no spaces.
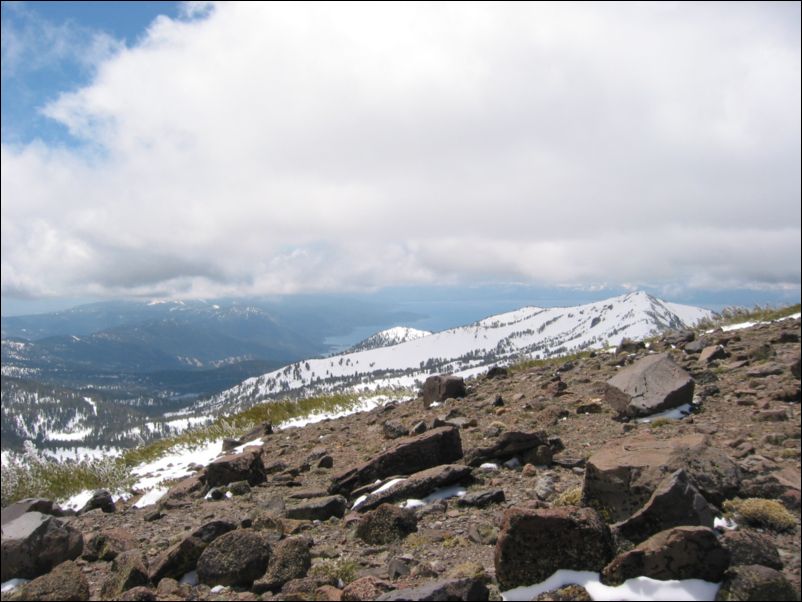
{"x":555,"y":470}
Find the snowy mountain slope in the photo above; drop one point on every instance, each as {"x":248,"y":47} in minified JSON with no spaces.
{"x":386,"y":338}
{"x":529,"y":332}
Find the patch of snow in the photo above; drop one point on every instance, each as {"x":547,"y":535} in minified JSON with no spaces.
{"x":175,"y":464}
{"x":151,"y":497}
{"x":190,"y":578}
{"x":443,"y":493}
{"x":91,"y":403}
{"x":673,"y":414}
{"x":78,"y":435}
{"x":12,"y":584}
{"x":77,"y":501}
{"x":722,"y":522}
{"x":489,"y":466}
{"x":219,"y":588}
{"x":639,"y":588}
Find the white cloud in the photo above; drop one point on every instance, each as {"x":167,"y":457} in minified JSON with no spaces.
{"x":282,"y":148}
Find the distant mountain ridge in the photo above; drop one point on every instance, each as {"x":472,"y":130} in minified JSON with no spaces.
{"x":388,"y":337}
{"x":524,"y":333}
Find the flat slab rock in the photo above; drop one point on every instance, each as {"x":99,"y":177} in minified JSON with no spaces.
{"x":652,"y":384}
{"x":418,"y":485}
{"x":622,"y":476}
{"x":411,"y":454}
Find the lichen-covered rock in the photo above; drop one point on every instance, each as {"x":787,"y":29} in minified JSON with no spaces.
{"x":182,"y":556}
{"x":755,"y":582}
{"x":750,"y":547}
{"x":535,"y":543}
{"x":386,"y":524}
{"x":290,"y":559}
{"x":320,"y":508}
{"x":107,"y":544}
{"x":236,"y":558}
{"x":245,"y":466}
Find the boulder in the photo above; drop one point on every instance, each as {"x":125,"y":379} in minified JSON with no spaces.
{"x":449,"y":589}
{"x":386,"y":524}
{"x":100,"y":499}
{"x":623,"y":475}
{"x":245,"y":466}
{"x":127,"y":571}
{"x":393,"y":429}
{"x":33,"y":543}
{"x":678,"y":553}
{"x":182,"y":557}
{"x":535,"y":543}
{"x":319,"y":508}
{"x":65,"y":582}
{"x":756,"y":582}
{"x":441,"y":387}
{"x":289,"y":560}
{"x":418,"y":485}
{"x":712,"y":353}
{"x":497,"y":372}
{"x":411,"y":454}
{"x":652,"y":384}
{"x":508,"y":445}
{"x":675,"y":503}
{"x":236,"y":558}
{"x":192,"y":486}
{"x":750,"y":547}
{"x":31,"y":504}
{"x":140,"y":593}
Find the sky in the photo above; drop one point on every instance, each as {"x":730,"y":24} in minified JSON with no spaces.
{"x":197,"y":149}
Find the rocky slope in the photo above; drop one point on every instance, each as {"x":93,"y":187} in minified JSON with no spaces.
{"x":552,"y":474}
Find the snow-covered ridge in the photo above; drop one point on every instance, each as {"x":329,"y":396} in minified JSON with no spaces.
{"x":391,"y":336}
{"x":529,"y":332}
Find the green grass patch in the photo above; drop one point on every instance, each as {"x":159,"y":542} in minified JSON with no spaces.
{"x":658,"y":423}
{"x":570,"y":497}
{"x":342,"y":569}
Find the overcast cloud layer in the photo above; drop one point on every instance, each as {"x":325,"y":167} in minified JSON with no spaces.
{"x":275,"y":148}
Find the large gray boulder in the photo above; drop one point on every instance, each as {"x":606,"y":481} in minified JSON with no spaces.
{"x":33,"y":543}
{"x":181,"y":558}
{"x":535,"y":543}
{"x":622,"y":476}
{"x":411,"y":454}
{"x":652,"y":384}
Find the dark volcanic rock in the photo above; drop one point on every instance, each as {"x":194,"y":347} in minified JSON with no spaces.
{"x":127,"y":571}
{"x":509,"y":444}
{"x":245,"y":466}
{"x":624,"y":474}
{"x":419,"y":485}
{"x":31,"y":504}
{"x":750,"y":547}
{"x":411,"y":454}
{"x":100,"y":499}
{"x":452,"y":589}
{"x":678,"y":553}
{"x":567,"y":593}
{"x":441,"y":387}
{"x":535,"y":543}
{"x":193,"y":486}
{"x":236,"y":558}
{"x":181,"y":558}
{"x":65,"y":582}
{"x":755,"y":582}
{"x":289,"y":560}
{"x":480,"y":499}
{"x":386,"y":524}
{"x":652,"y":384}
{"x":34,"y":543}
{"x":320,"y":508}
{"x":675,"y":502}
